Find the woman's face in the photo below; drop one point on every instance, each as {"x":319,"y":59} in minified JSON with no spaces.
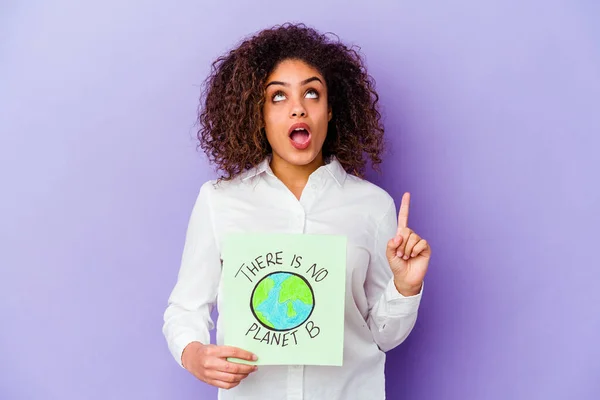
{"x":296,"y":113}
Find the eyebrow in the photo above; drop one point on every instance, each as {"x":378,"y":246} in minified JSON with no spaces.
{"x":304,"y":82}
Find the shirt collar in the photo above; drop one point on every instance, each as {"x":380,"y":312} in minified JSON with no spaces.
{"x":333,"y":167}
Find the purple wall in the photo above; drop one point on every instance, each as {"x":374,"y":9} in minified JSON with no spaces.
{"x":493,"y":114}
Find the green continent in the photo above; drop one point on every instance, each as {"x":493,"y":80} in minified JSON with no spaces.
{"x":291,"y":313}
{"x":261,"y":292}
{"x":262,"y":318}
{"x":294,"y":288}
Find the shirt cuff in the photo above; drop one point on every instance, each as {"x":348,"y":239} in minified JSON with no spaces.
{"x":178,"y":344}
{"x":398,"y":304}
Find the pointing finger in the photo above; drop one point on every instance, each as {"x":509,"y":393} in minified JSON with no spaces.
{"x":403,"y":213}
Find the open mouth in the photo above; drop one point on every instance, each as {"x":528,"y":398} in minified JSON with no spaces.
{"x":300,"y":136}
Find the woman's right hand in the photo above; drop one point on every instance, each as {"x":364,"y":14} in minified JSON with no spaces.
{"x":209,"y":363}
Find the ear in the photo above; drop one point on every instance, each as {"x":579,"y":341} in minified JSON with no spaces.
{"x":329,"y":114}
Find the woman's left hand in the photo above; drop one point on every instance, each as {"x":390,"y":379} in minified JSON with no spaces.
{"x":408,"y":254}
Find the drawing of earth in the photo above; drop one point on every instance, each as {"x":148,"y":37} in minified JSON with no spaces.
{"x":282,"y":301}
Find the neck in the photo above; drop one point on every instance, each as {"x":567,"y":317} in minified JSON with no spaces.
{"x":293,"y":176}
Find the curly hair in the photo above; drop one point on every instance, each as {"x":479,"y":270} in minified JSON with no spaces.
{"x":231,"y":129}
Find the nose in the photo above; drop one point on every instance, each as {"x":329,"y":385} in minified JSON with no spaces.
{"x":298,"y":110}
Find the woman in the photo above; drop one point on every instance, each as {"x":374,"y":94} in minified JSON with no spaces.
{"x":289,"y":117}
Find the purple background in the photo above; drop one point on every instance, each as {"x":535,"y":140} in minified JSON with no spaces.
{"x":492,"y":110}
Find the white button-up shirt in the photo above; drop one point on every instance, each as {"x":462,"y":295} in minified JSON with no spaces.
{"x":377,"y":317}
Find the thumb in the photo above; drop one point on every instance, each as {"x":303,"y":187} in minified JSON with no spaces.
{"x":392,"y":247}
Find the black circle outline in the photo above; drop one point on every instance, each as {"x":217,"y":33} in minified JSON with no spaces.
{"x":285,"y":272}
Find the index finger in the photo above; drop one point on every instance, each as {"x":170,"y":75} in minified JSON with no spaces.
{"x":234,"y":368}
{"x":403,"y":213}
{"x":236,"y":352}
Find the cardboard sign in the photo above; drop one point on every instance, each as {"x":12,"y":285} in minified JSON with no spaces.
{"x":283,"y":297}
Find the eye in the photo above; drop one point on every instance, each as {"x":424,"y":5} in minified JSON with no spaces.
{"x":278,"y":96}
{"x":312,"y":94}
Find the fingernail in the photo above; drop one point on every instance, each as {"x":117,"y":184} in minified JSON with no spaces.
{"x":406,"y":257}
{"x":413,"y":254}
{"x":400,"y":254}
{"x":254,"y":357}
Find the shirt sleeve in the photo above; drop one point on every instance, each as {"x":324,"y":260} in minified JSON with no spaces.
{"x":187,"y":316}
{"x":392,"y":316}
